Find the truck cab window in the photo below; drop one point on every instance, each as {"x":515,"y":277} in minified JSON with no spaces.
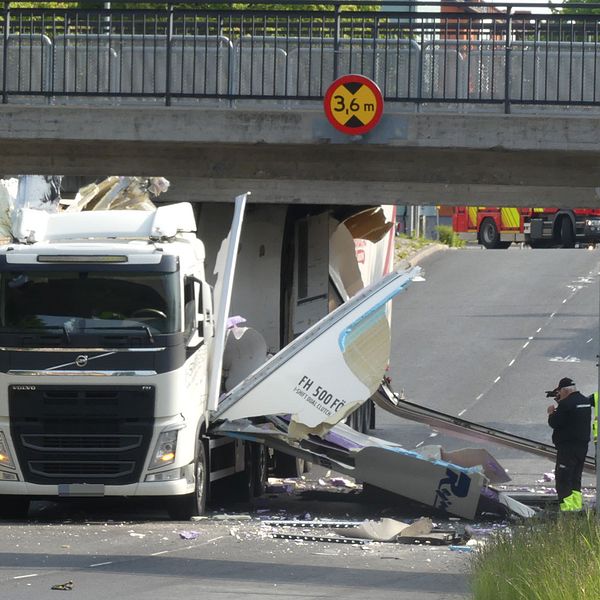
{"x":85,"y":301}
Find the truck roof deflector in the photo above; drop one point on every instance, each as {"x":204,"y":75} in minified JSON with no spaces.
{"x":329,"y":370}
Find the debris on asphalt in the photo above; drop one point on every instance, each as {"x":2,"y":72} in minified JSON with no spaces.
{"x":232,"y":517}
{"x":189,"y":535}
{"x":63,"y":587}
{"x":387,"y":530}
{"x":462,"y":548}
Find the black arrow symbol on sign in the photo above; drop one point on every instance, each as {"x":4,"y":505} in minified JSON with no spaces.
{"x":353,"y":86}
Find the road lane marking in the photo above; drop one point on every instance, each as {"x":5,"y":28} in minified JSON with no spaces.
{"x":479,"y":397}
{"x":102,"y":564}
{"x":539,"y":329}
{"x":25,"y":576}
{"x":589,"y":340}
{"x":552,"y":315}
{"x":511,"y":363}
{"x":525,"y":344}
{"x":462,"y":412}
{"x":564,"y":300}
{"x":497,"y":379}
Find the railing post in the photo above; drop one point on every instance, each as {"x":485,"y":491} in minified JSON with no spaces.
{"x":5,"y":53}
{"x":168,"y":66}
{"x":336,"y":41}
{"x":507,"y":68}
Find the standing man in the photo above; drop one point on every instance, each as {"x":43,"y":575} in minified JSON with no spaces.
{"x":570,"y":421}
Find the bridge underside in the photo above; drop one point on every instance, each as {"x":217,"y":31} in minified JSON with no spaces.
{"x":213,"y":155}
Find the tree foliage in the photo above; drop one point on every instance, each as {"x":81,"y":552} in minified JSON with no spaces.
{"x":567,"y":7}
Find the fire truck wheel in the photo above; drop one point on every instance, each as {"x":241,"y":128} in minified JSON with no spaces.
{"x":567,"y":235}
{"x":183,"y":508}
{"x":489,"y":235}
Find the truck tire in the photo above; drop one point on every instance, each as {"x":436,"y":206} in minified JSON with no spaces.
{"x":252,"y":481}
{"x":260,"y":470}
{"x":184,"y":507}
{"x":489,"y":235}
{"x":567,"y":235}
{"x":287,"y":465}
{"x":14,"y":507}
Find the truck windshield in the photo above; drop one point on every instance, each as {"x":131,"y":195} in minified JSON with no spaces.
{"x":83,"y":301}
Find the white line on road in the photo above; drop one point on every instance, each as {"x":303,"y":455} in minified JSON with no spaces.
{"x":101,"y":564}
{"x":552,"y":315}
{"x":589,"y":340}
{"x":525,"y":344}
{"x":419,"y":444}
{"x":25,"y":576}
{"x":462,"y":412}
{"x":530,"y":337}
{"x":539,"y":329}
{"x":564,"y":301}
{"x":479,"y":397}
{"x":497,"y":379}
{"x":511,"y":363}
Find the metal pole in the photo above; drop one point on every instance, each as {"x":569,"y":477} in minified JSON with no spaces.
{"x":597,"y":454}
{"x":507,"y":69}
{"x":5,"y":53}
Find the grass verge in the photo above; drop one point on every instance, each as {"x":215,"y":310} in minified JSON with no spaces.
{"x":554,"y":559}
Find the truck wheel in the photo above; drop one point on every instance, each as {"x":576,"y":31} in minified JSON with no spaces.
{"x":260,"y":470}
{"x":288,"y":466}
{"x":489,"y":235}
{"x":184,"y":507}
{"x":567,"y":235}
{"x":251,"y":482}
{"x":13,"y":507}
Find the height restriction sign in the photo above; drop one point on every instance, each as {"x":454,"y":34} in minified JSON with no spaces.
{"x":353,"y":104}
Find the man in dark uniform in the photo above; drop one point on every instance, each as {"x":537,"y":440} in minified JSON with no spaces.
{"x":570,"y":421}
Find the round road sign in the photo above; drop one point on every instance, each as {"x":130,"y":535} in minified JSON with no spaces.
{"x":353,"y":104}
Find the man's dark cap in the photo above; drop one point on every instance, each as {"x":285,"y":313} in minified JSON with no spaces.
{"x":563,"y":383}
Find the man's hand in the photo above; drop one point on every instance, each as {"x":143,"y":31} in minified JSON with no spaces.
{"x":551,"y":409}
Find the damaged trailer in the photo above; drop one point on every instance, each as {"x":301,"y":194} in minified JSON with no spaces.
{"x":127,"y":368}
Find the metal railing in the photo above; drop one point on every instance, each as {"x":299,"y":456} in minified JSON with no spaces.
{"x":421,"y":53}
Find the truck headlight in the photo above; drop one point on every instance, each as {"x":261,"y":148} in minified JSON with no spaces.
{"x":593,"y":223}
{"x":5,"y":457}
{"x":165,"y":449}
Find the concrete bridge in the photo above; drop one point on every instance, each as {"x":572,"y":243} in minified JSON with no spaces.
{"x":506,"y":131}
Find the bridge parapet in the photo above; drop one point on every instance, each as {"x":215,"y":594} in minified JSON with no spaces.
{"x":417,"y":53}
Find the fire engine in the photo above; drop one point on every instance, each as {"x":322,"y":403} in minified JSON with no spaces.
{"x":497,"y":227}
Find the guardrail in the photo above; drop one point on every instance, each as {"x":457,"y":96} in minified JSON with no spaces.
{"x":442,"y":52}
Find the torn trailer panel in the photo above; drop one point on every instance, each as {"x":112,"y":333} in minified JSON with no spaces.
{"x":451,"y":488}
{"x":328,"y":371}
{"x":385,"y":398}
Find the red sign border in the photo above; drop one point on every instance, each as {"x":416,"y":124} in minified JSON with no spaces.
{"x":353,"y":79}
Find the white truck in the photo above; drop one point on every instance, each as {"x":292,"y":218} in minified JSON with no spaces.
{"x":127,"y":369}
{"x":113,"y":356}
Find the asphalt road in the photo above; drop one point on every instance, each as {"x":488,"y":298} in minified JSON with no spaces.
{"x":486,"y":334}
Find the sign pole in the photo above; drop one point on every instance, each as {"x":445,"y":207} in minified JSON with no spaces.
{"x":597,"y":453}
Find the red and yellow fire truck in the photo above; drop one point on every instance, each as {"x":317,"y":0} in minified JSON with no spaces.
{"x":497,"y":227}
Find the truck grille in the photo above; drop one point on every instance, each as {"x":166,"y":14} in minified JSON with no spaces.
{"x":81,"y":434}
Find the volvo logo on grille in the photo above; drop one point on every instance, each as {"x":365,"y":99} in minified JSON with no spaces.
{"x":23,"y":388}
{"x":81,"y":360}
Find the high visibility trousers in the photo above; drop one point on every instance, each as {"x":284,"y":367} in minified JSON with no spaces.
{"x":572,"y":503}
{"x":570,"y":459}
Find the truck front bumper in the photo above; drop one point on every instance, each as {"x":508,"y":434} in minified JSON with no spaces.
{"x":182,"y":483}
